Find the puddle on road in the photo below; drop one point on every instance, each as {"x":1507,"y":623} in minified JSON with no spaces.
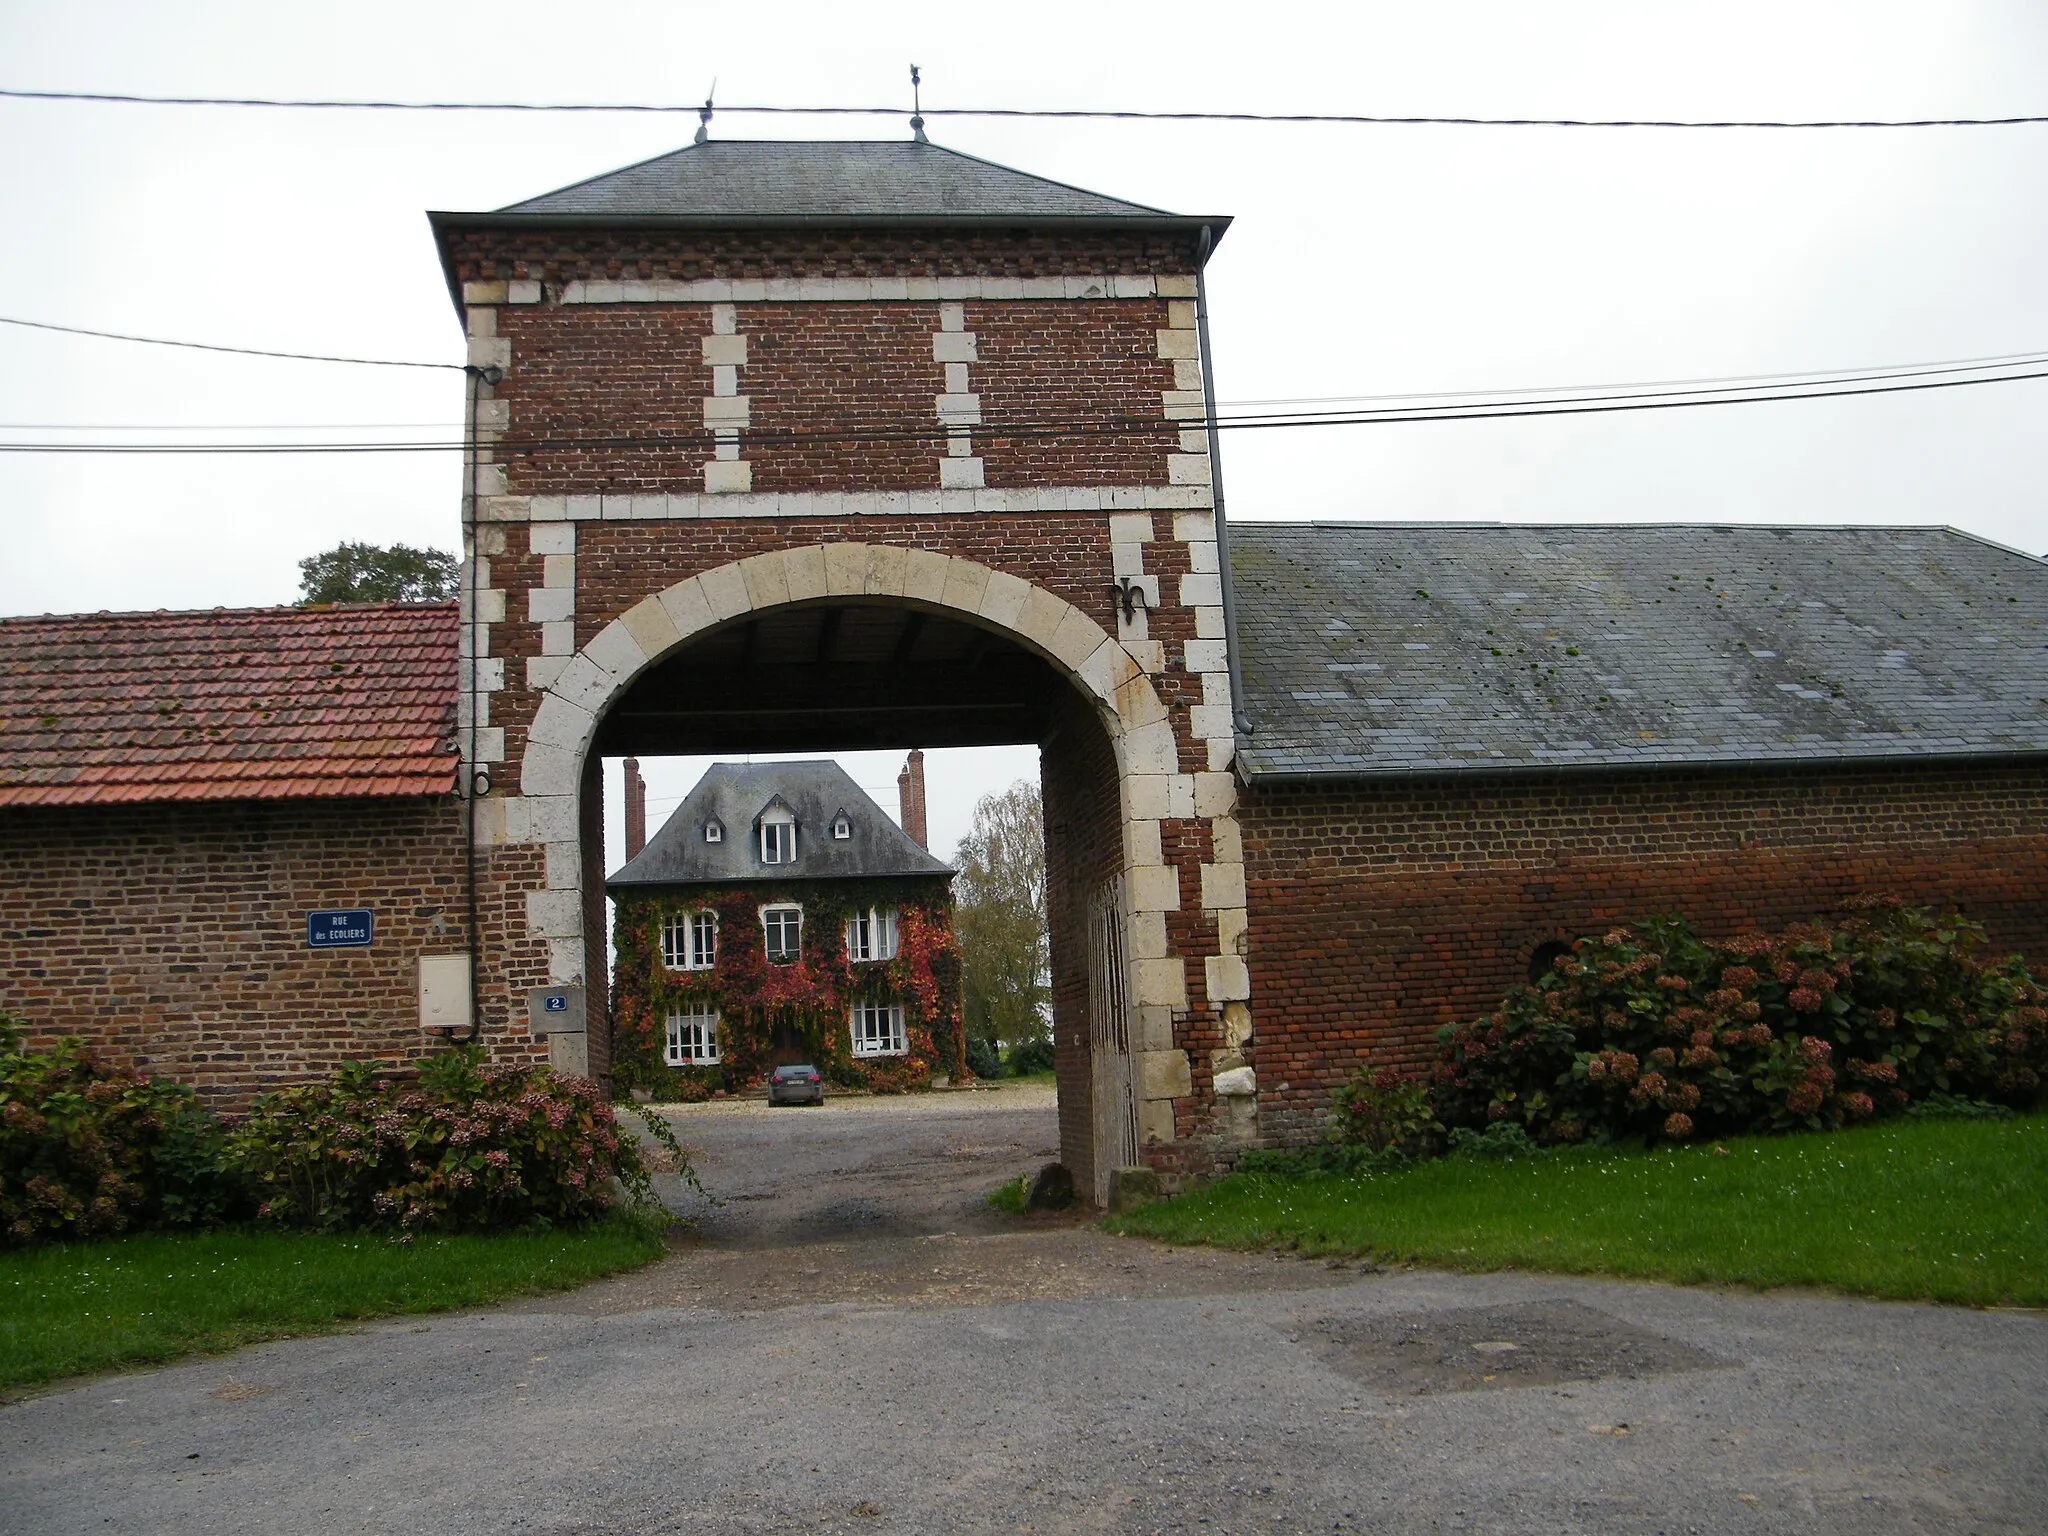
{"x":1476,"y":1349}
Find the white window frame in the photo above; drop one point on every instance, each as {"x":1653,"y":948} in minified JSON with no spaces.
{"x":689,"y":940}
{"x":778,"y":836}
{"x":842,"y":826}
{"x":693,"y":1038}
{"x":714,"y":831}
{"x":767,"y":949}
{"x":877,"y":1029}
{"x":874,"y":934}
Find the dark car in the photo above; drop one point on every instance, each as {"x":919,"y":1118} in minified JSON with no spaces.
{"x":796,"y":1083}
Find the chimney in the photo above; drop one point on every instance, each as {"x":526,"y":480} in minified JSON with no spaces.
{"x":910,"y":790}
{"x":636,"y":809}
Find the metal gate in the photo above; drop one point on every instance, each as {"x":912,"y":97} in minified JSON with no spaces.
{"x":1109,"y":1037}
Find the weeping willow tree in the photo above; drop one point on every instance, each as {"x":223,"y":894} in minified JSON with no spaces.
{"x":999,"y":919}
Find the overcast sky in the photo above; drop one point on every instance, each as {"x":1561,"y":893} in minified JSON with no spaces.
{"x":1363,"y":261}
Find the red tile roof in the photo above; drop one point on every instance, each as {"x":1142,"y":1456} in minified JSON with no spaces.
{"x":232,"y":704}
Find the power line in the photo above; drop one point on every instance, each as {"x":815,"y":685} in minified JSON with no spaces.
{"x":1045,"y":113}
{"x":1721,"y":384}
{"x":1126,"y":426}
{"x":209,"y":346}
{"x":1727,"y":381}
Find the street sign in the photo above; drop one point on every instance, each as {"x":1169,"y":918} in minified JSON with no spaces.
{"x":555,"y":1010}
{"x":348,"y":928}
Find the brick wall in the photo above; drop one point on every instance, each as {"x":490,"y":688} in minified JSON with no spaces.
{"x":840,"y":396}
{"x":1382,"y":912}
{"x":560,"y":256}
{"x":174,"y":936}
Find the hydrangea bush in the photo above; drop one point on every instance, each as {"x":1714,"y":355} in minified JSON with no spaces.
{"x":1657,"y":1033}
{"x":455,"y":1144}
{"x":88,"y":1149}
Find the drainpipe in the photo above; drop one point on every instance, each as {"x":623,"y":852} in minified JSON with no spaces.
{"x":1241,"y":715}
{"x":472,"y":779}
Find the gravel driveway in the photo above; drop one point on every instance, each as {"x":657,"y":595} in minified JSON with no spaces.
{"x":855,"y":1344}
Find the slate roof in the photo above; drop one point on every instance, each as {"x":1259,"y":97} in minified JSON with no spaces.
{"x":741,"y":179}
{"x":737,"y":793}
{"x":1374,"y":649}
{"x":231,"y":704}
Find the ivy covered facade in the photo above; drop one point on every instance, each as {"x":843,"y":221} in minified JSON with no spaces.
{"x":778,"y":916}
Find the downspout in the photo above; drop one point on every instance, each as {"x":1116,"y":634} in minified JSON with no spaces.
{"x":1241,"y":716}
{"x":474,"y":379}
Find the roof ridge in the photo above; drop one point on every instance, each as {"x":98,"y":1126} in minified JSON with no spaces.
{"x":321,"y":610}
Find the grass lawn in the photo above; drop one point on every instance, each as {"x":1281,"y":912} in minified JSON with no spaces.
{"x":140,"y":1300}
{"x":1944,"y":1210}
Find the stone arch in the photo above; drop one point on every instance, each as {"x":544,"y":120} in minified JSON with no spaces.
{"x":566,"y":720}
{"x":1133,"y":718}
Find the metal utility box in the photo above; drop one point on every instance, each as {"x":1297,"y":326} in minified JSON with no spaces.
{"x":444,"y":992}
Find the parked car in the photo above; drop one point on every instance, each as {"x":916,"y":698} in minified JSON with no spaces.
{"x":796,"y":1083}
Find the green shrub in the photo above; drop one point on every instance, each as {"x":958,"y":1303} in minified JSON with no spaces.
{"x":89,"y":1150}
{"x":1389,"y":1112}
{"x":1656,"y":1033}
{"x":1028,"y":1056}
{"x":1325,"y":1157}
{"x":452,"y":1145}
{"x":983,"y":1059}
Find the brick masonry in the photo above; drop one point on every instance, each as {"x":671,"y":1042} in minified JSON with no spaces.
{"x":174,"y":936}
{"x":1380,"y":912}
{"x":676,"y":412}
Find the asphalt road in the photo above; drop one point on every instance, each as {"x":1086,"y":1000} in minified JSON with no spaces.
{"x":809,"y":1364}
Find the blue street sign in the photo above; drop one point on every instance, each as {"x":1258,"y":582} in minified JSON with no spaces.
{"x":347,"y":929}
{"x":555,"y":1003}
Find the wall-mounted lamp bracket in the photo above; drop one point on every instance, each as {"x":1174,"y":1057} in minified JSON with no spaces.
{"x":1131,"y":597}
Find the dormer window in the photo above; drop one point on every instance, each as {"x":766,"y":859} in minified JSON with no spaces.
{"x":778,"y":835}
{"x":714,"y":831}
{"x":842,"y":826}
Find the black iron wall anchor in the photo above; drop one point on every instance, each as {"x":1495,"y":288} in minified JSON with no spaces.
{"x":1130,"y":597}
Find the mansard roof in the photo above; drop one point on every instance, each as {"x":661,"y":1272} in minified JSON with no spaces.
{"x":735,"y":795}
{"x":1374,"y":650}
{"x":740,"y":179}
{"x":843,"y":184}
{"x":228,"y":704}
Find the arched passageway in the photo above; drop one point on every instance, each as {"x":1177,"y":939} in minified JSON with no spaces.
{"x":847,"y":646}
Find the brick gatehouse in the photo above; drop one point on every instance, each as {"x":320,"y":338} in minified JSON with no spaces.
{"x":829,"y":446}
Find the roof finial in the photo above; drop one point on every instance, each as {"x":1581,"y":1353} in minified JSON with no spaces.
{"x":704,"y":114}
{"x":916,"y":109}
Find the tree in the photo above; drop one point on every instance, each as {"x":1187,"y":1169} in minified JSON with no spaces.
{"x":369,"y":573}
{"x":999,"y":918}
